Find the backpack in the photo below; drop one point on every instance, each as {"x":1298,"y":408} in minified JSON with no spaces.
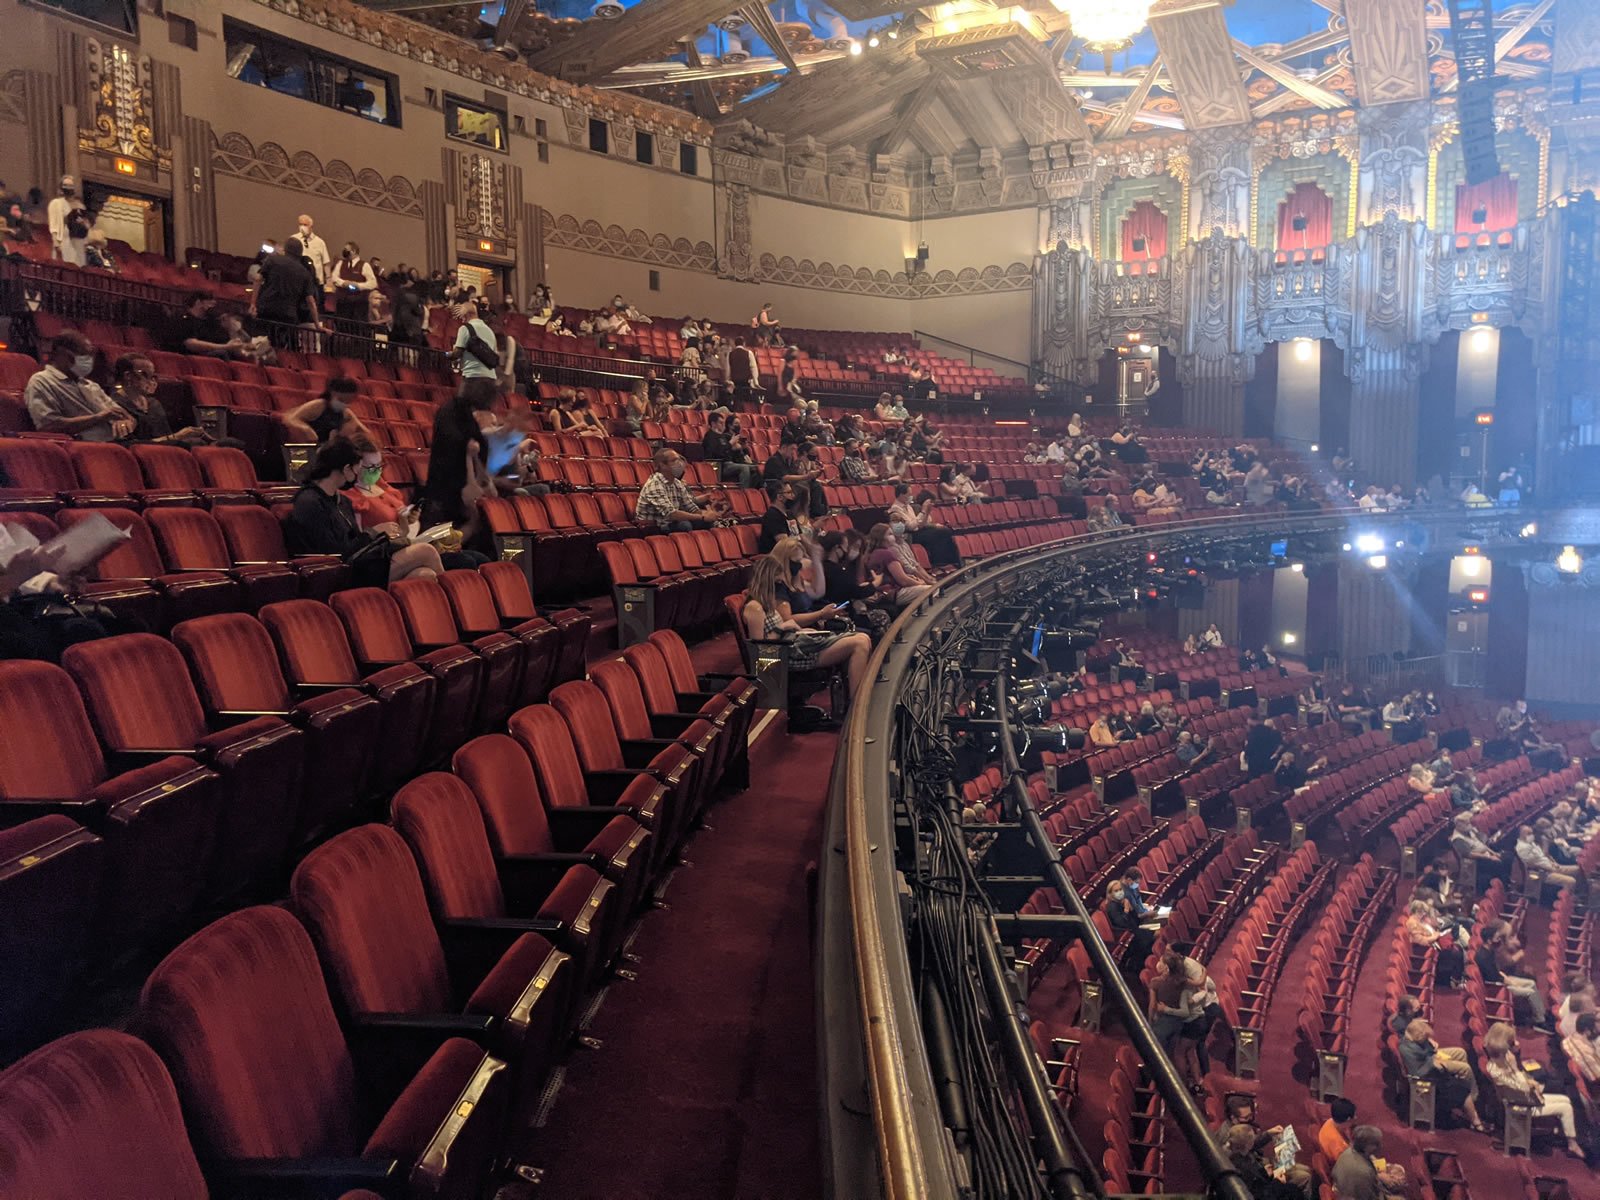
{"x":480,"y":349}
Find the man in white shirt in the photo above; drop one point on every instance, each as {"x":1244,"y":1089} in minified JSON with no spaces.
{"x":69,"y":223}
{"x":61,"y":398}
{"x":314,"y":248}
{"x":1534,"y":858}
{"x":353,"y":281}
{"x":1055,"y":452}
{"x":1369,"y":500}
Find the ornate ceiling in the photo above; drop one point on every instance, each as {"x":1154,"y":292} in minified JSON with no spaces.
{"x":892,"y":78}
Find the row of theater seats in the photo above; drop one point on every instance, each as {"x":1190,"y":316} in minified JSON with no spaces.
{"x":47,"y":472}
{"x":395,"y":1024}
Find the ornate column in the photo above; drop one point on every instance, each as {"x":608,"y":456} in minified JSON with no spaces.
{"x":1220,"y":340}
{"x":1062,"y":299}
{"x":1393,"y":174}
{"x":1219,"y":182}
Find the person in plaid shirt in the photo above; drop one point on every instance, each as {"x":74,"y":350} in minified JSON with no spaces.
{"x":666,"y":501}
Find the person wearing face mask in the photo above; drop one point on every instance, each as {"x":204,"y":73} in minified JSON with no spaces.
{"x":322,"y":521}
{"x":666,"y":501}
{"x":69,"y":224}
{"x":62,"y":398}
{"x":377,"y":506}
{"x":352,"y":281}
{"x":328,"y":416}
{"x":135,"y":391}
{"x":313,"y":247}
{"x":1120,"y":912}
{"x":895,"y":582}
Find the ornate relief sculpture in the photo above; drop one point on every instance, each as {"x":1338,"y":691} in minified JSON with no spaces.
{"x":736,"y":262}
{"x":123,"y":100}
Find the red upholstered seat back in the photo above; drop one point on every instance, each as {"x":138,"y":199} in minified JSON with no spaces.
{"x":426,"y":610}
{"x":168,"y":466}
{"x":241,"y":1017}
{"x":48,"y":749}
{"x":105,"y":466}
{"x":470,"y":602}
{"x":621,"y":688}
{"x":655,"y":680}
{"x":362,"y":902}
{"x":225,"y":466}
{"x":137,"y":558}
{"x":548,"y":742}
{"x":500,"y":777}
{"x":38,"y":464}
{"x":252,"y":533}
{"x":509,"y":587}
{"x":138,"y":689}
{"x":311,"y":640}
{"x":94,"y":1114}
{"x":234,"y":663}
{"x":438,"y":817}
{"x":374,"y":625}
{"x":190,"y":539}
{"x":583,"y":706}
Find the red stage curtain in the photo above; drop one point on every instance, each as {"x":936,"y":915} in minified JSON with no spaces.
{"x":1311,"y":202}
{"x":1146,"y":221}
{"x":1497,"y":197}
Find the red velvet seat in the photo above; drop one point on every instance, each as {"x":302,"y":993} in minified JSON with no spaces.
{"x":111,"y":469}
{"x":236,"y":672}
{"x":664,"y":701}
{"x":437,"y":814}
{"x":514,"y":602}
{"x":229,"y":469}
{"x":191,"y":540}
{"x":94,"y":1114}
{"x":241,"y":1017}
{"x":50,"y":874}
{"x":157,"y":820}
{"x":137,"y":689}
{"x":635,"y":723}
{"x":316,"y":657}
{"x":518,"y":820}
{"x":565,"y":782}
{"x":43,"y":467}
{"x":472,"y":603}
{"x":378,"y":637}
{"x":432,"y":625}
{"x":361,"y":898}
{"x":173,"y":468}
{"x":255,"y":537}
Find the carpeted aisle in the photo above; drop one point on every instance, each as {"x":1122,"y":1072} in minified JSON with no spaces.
{"x":706,"y":1085}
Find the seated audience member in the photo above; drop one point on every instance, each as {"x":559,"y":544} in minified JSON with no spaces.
{"x":843,"y":562}
{"x":135,"y":391}
{"x":194,"y":330}
{"x":1582,"y":1047}
{"x":782,"y":518}
{"x":1503,"y":1064}
{"x":666,"y":501}
{"x":1501,"y":960}
{"x":328,"y":416}
{"x":922,"y":530}
{"x":1124,"y":920}
{"x":1448,"y":1069}
{"x":1240,"y":1122}
{"x":1354,"y":707}
{"x":1534,"y":857}
{"x":61,"y":398}
{"x":805,"y":580}
{"x":1211,"y":639}
{"x":1423,"y":928}
{"x":787,"y":466}
{"x":1468,"y":843}
{"x":724,"y":447}
{"x":1333,"y":1138}
{"x":323,"y":522}
{"x":1239,"y":1144}
{"x":853,"y":468}
{"x":1191,"y":751}
{"x":1355,"y":1172}
{"x":97,"y":252}
{"x":377,"y":506}
{"x":895,"y":582}
{"x":766,"y":598}
{"x":1577,"y":998}
{"x":244,"y":345}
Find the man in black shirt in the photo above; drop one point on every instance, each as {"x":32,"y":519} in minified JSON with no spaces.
{"x":784,"y":465}
{"x":194,"y":330}
{"x":777,"y":522}
{"x":1261,"y":745}
{"x":921,"y":386}
{"x":794,"y":429}
{"x":287,"y":294}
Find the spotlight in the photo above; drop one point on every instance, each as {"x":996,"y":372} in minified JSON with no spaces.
{"x":1569,"y":561}
{"x":872,"y":42}
{"x":1482,"y":339}
{"x":1346,"y":547}
{"x":1378,"y":562}
{"x":855,"y":47}
{"x":1302,"y":350}
{"x":1369,"y":543}
{"x":894,"y":35}
{"x":1315,"y":447}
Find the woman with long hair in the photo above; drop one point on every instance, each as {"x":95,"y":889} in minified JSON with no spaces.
{"x":897,"y":583}
{"x":766,"y":598}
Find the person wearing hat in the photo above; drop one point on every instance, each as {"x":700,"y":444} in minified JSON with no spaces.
{"x":69,"y":223}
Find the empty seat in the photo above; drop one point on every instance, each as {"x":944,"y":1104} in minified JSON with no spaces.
{"x":133,"y":580}
{"x":316,"y":657}
{"x":191,"y":540}
{"x":438,"y":816}
{"x":157,"y":820}
{"x":361,"y":899}
{"x":378,"y":636}
{"x":138,"y":690}
{"x":112,"y":469}
{"x":235,"y":669}
{"x":476,"y":616}
{"x":94,"y":1114}
{"x":517,"y":819}
{"x":50,"y":871}
{"x":173,"y":469}
{"x":635,"y":723}
{"x":241,"y":1017}
{"x":431,"y":623}
{"x":666,"y":703}
{"x":254,"y":537}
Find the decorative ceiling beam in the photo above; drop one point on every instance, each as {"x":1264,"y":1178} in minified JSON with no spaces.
{"x":1512,"y":38}
{"x":600,"y":47}
{"x":910,"y":108}
{"x":1276,"y":71}
{"x":760,"y":19}
{"x":1144,"y":117}
{"x":1198,"y":52}
{"x":1134,"y":102}
{"x":972,"y":105}
{"x":1282,"y":100}
{"x":1389,"y":47}
{"x":700,"y":93}
{"x":652,"y":74}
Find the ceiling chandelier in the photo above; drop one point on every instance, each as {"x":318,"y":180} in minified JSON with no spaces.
{"x":1106,"y":25}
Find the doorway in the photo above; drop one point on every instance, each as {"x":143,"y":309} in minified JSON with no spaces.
{"x":144,"y":223}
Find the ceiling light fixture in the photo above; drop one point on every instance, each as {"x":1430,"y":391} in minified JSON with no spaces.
{"x":1106,"y":25}
{"x":855,"y":47}
{"x":873,"y":41}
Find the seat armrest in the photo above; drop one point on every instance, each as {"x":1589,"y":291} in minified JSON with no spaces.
{"x":673,"y":724}
{"x":640,"y":753}
{"x":306,"y":1177}
{"x":609,"y":785}
{"x":528,"y":879}
{"x":576,"y":825}
{"x":305,"y":690}
{"x":225,"y":717}
{"x":472,"y":946}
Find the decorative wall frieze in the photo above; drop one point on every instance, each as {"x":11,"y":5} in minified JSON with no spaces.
{"x":896,"y":285}
{"x":13,"y":90}
{"x":122,"y":104}
{"x":570,"y":233}
{"x":234,"y":154}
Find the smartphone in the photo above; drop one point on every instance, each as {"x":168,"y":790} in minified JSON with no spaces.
{"x":267,"y":247}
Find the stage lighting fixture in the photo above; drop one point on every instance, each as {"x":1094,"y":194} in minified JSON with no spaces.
{"x":1297,"y":568}
{"x":1531,"y":529}
{"x":1315,"y":447}
{"x":1482,"y":339}
{"x":1569,"y":561}
{"x":1378,"y":561}
{"x":1369,"y":543}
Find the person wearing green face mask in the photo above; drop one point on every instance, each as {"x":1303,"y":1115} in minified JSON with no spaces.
{"x":377,"y":505}
{"x":63,"y":399}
